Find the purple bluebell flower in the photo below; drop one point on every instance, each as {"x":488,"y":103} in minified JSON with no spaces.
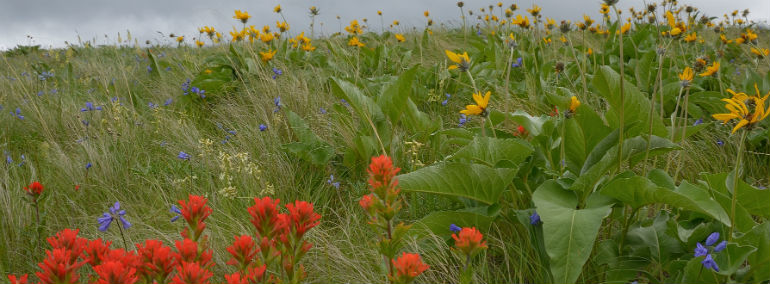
{"x":323,"y":111}
{"x":517,"y":64}
{"x":23,"y":159}
{"x":45,"y":75}
{"x":232,"y":132}
{"x":89,"y":165}
{"x":712,"y":239}
{"x":149,"y":68}
{"x":168,"y":68}
{"x":277,"y":102}
{"x":168,"y":102}
{"x":90,"y":107}
{"x":344,"y":102}
{"x":698,"y":122}
{"x":534,"y":219}
{"x":54,"y":91}
{"x":186,"y":87}
{"x":709,"y":263}
{"x":18,"y":114}
{"x":720,"y":142}
{"x":331,"y":182}
{"x":700,"y":250}
{"x":478,"y":32}
{"x":721,"y":246}
{"x":463,"y":120}
{"x":276,"y":72}
{"x":85,"y":122}
{"x":107,"y":218}
{"x":8,"y":159}
{"x":40,"y":93}
{"x":184,"y":156}
{"x":152,"y":105}
{"x":443,"y":103}
{"x":262,"y":127}
{"x":176,"y":211}
{"x":454,"y":228}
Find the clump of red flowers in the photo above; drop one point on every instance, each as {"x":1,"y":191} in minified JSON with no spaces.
{"x":469,"y":241}
{"x":382,"y":205}
{"x":281,"y":235}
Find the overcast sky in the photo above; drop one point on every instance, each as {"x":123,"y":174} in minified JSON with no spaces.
{"x":52,"y":22}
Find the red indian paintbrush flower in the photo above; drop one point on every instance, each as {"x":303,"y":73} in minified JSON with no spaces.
{"x":191,"y":273}
{"x":366,"y":202}
{"x":18,"y":280}
{"x":115,"y":272}
{"x":68,"y":239}
{"x":34,"y":189}
{"x":253,"y":275}
{"x":97,"y":251}
{"x":187,"y":251}
{"x":264,"y":216}
{"x":381,"y":171}
{"x":157,"y":261}
{"x":302,"y":217}
{"x":195,"y":212}
{"x":243,"y":250}
{"x":408,"y":266}
{"x":469,"y":241}
{"x":59,"y":267}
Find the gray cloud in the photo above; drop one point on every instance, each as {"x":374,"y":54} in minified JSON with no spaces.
{"x":51,"y":23}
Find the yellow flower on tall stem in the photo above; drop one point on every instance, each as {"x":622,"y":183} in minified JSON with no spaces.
{"x":462,"y":61}
{"x":242,"y":16}
{"x":355,"y":42}
{"x":739,"y":107}
{"x":711,"y":70}
{"x":267,"y":56}
{"x":574,"y":104}
{"x":760,"y":52}
{"x":686,"y":76}
{"x":480,"y":108}
{"x":691,"y":37}
{"x":400,"y":38}
{"x":277,"y":9}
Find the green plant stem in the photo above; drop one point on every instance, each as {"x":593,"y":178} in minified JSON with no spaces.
{"x":736,"y":177}
{"x":684,"y":132}
{"x":652,"y":112}
{"x":622,"y":95}
{"x":674,"y":123}
{"x":626,"y":222}
{"x":508,"y":74}
{"x":120,"y":227}
{"x":562,"y":158}
{"x":581,"y":67}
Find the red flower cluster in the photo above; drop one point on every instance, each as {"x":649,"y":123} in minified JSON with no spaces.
{"x":191,"y":260}
{"x":469,"y":241}
{"x":408,"y":266}
{"x":34,"y":189}
{"x":382,"y":204}
{"x":381,"y":172}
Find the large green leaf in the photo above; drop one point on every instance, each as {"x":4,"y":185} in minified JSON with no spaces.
{"x":364,"y":106}
{"x":638,"y":191}
{"x":755,"y":201}
{"x":636,"y":104}
{"x":472,"y":181}
{"x":495,"y":152}
{"x":583,"y":132}
{"x":310,"y":147}
{"x":394,"y":97}
{"x":732,"y":258}
{"x":759,"y":237}
{"x":654,"y":241}
{"x":569,"y":233}
{"x":633,"y":150}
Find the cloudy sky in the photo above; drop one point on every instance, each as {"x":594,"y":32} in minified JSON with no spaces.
{"x":52,"y":22}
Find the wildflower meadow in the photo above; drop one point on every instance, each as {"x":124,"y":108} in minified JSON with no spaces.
{"x":502,"y":147}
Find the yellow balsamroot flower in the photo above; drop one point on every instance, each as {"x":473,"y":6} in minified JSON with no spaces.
{"x":724,"y":39}
{"x":547,"y":40}
{"x":624,"y":29}
{"x":534,"y":11}
{"x":266,"y":37}
{"x":740,"y":110}
{"x":550,"y":23}
{"x":400,"y":38}
{"x":691,"y":37}
{"x":563,"y":39}
{"x":480,"y":108}
{"x":267,"y":56}
{"x":379,"y":13}
{"x":199,"y":43}
{"x":426,"y":13}
{"x":462,"y":61}
{"x":208,"y":71}
{"x":760,"y":52}
{"x":180,"y":39}
{"x":574,"y":104}
{"x":354,"y":28}
{"x":238,"y":36}
{"x":277,"y":9}
{"x":604,"y":10}
{"x":686,"y":76}
{"x":748,"y":36}
{"x":355,"y":42}
{"x":308,"y":47}
{"x":313,"y":11}
{"x":520,"y":21}
{"x":738,"y":96}
{"x":242,"y":16}
{"x":282,"y":26}
{"x":590,"y":52}
{"x":588,"y":20}
{"x":395,"y":22}
{"x":711,"y":70}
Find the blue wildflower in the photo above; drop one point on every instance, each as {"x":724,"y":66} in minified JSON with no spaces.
{"x":720,"y":142}
{"x":152,"y":105}
{"x":85,"y":122}
{"x":54,"y":91}
{"x":721,"y":246}
{"x":8,"y":159}
{"x":231,"y":132}
{"x":463,"y":120}
{"x":517,"y":64}
{"x":168,"y":102}
{"x":443,"y":103}
{"x":478,"y":32}
{"x":698,"y":122}
{"x":168,"y":68}
{"x":23,"y":159}
{"x":331,"y":182}
{"x":276,"y":72}
{"x":40,"y":93}
{"x":454,"y":228}
{"x":18,"y":114}
{"x":534,"y":219}
{"x":182,"y":155}
{"x":344,"y":102}
{"x":712,"y":239}
{"x":90,"y":107}
{"x":45,"y":75}
{"x":107,"y":218}
{"x":709,"y":263}
{"x":176,"y":211}
{"x":277,"y":102}
{"x":149,"y":68}
{"x":700,"y":250}
{"x":186,"y":87}
{"x":323,"y":111}
{"x":262,"y":127}
{"x":89,"y":165}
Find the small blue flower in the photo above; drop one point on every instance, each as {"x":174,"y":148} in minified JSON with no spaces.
{"x":184,"y":156}
{"x":168,"y":102}
{"x":478,"y":32}
{"x":23,"y":159}
{"x":517,"y":64}
{"x":40,"y":93}
{"x":709,"y":263}
{"x":712,"y":239}
{"x":323,"y":111}
{"x":107,"y":218}
{"x":721,"y":246}
{"x":18,"y":114}
{"x":277,"y":102}
{"x":152,"y":105}
{"x":454,"y":228}
{"x":176,"y":211}
{"x":149,"y":69}
{"x":534,"y":219}
{"x":720,"y":142}
{"x":168,"y":68}
{"x":90,"y":107}
{"x":331,"y":182}
{"x":344,"y":102}
{"x":262,"y":127}
{"x":276,"y":72}
{"x":89,"y":165}
{"x":698,"y":122}
{"x":85,"y":122}
{"x":231,"y":132}
{"x":8,"y":159}
{"x":443,"y":103}
{"x":463,"y":120}
{"x":700,"y":250}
